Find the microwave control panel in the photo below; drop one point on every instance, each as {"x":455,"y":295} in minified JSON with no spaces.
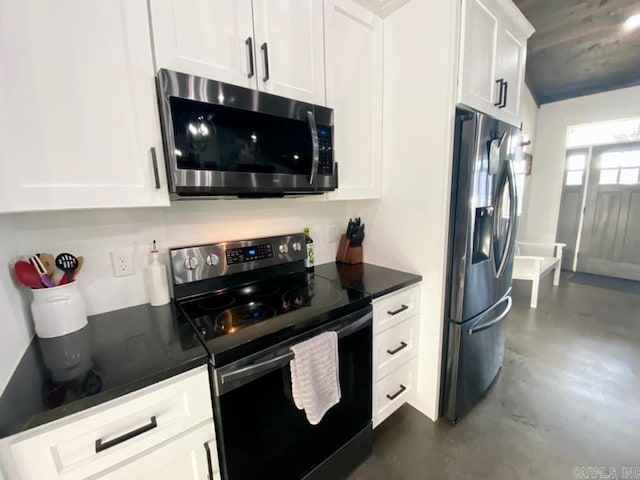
{"x":325,"y":142}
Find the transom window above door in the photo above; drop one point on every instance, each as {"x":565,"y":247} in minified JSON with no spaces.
{"x":576,"y":166}
{"x":620,"y":167}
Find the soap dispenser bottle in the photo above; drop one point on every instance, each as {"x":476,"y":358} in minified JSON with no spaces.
{"x":156,"y":276}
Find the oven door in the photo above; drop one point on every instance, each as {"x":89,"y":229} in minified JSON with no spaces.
{"x":261,"y":432}
{"x":222,"y":139}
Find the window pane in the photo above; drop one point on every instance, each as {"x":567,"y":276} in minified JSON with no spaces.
{"x":574,"y":178}
{"x":600,"y":133}
{"x":608,"y":177}
{"x":576,"y":162}
{"x":610,"y":160}
{"x":629,"y":176}
{"x":631,"y":158}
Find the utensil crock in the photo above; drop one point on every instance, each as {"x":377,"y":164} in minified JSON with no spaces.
{"x":58,"y":310}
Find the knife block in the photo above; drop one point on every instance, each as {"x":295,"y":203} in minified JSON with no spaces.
{"x":347,"y":253}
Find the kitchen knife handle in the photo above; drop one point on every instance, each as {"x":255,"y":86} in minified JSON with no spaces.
{"x":402,"y":346}
{"x":395,"y":312}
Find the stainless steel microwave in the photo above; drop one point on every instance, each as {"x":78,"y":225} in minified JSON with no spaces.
{"x":225,"y":140}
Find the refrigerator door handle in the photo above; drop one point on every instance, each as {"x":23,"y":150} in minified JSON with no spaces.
{"x":499,"y":318}
{"x":513,"y":213}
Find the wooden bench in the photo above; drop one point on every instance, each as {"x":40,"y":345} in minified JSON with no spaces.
{"x":533,"y":261}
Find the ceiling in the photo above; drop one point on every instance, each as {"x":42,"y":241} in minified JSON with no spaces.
{"x":580,"y":47}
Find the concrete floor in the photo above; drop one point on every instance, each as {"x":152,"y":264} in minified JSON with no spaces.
{"x":568,"y":396}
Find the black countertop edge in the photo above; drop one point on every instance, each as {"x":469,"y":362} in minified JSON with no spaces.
{"x":372,"y":279}
{"x":23,"y":424}
{"x":117,"y":353}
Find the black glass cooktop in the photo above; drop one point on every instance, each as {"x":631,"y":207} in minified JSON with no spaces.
{"x":239,"y":321}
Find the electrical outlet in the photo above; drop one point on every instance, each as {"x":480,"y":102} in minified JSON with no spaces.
{"x":122,"y":262}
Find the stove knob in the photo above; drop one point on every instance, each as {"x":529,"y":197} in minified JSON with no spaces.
{"x":213,"y":260}
{"x":191,"y":263}
{"x":297,"y":247}
{"x":283,"y":249}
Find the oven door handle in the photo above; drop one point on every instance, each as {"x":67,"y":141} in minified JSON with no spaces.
{"x":261,"y":367}
{"x":313,"y":129}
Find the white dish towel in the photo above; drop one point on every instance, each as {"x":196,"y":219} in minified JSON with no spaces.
{"x":315,"y":381}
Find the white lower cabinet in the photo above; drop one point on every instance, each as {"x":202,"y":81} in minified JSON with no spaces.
{"x":163,"y":427}
{"x":396,"y":328}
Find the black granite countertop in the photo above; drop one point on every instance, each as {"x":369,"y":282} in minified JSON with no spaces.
{"x":372,"y":279}
{"x":116,"y":353}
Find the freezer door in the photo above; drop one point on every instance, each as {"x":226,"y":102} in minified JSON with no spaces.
{"x":476,"y":352}
{"x":483,"y":215}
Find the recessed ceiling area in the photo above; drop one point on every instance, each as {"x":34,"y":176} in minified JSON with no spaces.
{"x":581,"y":47}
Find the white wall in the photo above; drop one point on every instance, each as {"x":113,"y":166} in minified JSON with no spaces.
{"x":548,"y":162}
{"x":529,"y":118}
{"x":15,"y":332}
{"x":94,"y":234}
{"x":407,"y":228}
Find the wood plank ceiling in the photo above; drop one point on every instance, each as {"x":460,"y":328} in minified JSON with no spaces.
{"x":580,"y":47}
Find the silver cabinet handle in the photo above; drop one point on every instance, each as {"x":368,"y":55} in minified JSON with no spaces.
{"x":501,"y":83}
{"x":154,"y":161}
{"x":209,"y":463}
{"x":313,"y":129}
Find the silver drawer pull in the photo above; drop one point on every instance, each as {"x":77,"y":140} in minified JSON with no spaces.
{"x":396,"y":350}
{"x":100,"y":446}
{"x":394,"y":395}
{"x":395,"y":312}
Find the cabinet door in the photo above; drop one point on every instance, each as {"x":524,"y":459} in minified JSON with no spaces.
{"x":290,"y":48}
{"x":212,"y":39}
{"x":478,"y":88}
{"x":354,"y":89}
{"x":510,"y":64}
{"x":79,"y":106}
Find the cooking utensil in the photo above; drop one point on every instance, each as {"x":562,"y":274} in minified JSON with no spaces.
{"x":68,"y":264}
{"x":44,"y":278}
{"x":27,"y":274}
{"x":80,"y":265}
{"x":49,"y":263}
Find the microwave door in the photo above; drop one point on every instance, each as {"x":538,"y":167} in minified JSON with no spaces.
{"x":243,"y":142}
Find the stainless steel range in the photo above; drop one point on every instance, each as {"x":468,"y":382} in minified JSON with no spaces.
{"x":249,"y":301}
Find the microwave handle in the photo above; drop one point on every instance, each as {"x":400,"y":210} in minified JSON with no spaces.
{"x":311,"y":120}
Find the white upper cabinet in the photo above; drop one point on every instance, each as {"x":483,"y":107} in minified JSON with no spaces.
{"x":211,"y":39}
{"x":80,"y":126}
{"x":276,"y":46}
{"x":290,"y":48}
{"x":354,"y":89}
{"x":492,"y":59}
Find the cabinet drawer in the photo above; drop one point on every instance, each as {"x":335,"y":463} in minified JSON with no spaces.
{"x":395,"y":308}
{"x":392,"y":391}
{"x":89,"y":442}
{"x":184,"y":457}
{"x":394,"y":346}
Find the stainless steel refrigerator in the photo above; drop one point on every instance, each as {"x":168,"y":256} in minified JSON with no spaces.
{"x":482,"y":236}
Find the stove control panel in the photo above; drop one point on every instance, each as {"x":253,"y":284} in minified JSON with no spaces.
{"x":201,"y":262}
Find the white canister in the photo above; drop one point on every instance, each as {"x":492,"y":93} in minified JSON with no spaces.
{"x":58,"y":310}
